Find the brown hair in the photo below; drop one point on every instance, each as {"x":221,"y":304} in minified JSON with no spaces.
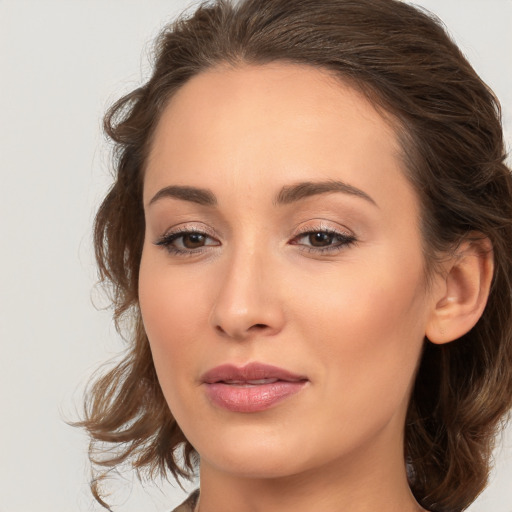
{"x":449,"y":125}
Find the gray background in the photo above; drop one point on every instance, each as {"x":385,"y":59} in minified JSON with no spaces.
{"x":61,"y":64}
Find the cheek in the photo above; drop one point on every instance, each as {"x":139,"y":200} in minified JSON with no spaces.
{"x":370,"y":330}
{"x":173,"y":299}
{"x":174,"y":312}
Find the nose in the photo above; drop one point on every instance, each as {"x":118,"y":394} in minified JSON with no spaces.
{"x":248,"y":303}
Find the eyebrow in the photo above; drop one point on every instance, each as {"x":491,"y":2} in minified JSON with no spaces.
{"x":288,"y":194}
{"x":201,"y":196}
{"x":298,"y":191}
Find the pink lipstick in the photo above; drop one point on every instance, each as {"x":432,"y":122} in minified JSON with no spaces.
{"x":251,"y":388}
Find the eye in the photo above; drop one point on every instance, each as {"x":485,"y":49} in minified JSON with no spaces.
{"x":186,"y":242}
{"x":191,"y":240}
{"x":322,"y":240}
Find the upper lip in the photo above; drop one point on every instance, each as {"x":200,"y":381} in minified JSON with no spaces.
{"x":251,"y":371}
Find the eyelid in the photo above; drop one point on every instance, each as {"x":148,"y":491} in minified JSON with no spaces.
{"x":345,"y":237}
{"x":175,"y":232}
{"x":316,"y":225}
{"x":190,"y":227}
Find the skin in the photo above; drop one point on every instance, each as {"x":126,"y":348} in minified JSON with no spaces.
{"x":352,"y":319}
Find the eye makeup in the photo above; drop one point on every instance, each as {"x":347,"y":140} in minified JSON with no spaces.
{"x":323,"y":240}
{"x":187,"y":240}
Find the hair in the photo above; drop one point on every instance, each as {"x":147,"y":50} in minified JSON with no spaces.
{"x":448,"y":122}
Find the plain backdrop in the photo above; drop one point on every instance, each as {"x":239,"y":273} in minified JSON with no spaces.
{"x":62,"y":62}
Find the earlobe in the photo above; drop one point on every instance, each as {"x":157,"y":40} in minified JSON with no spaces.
{"x":461,"y":292}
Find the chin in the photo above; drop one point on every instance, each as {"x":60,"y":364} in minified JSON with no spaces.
{"x":256,"y":466}
{"x":253,"y":456}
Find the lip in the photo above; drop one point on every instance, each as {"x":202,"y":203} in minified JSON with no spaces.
{"x":233,"y":388}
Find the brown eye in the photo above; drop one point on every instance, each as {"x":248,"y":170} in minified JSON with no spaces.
{"x":187,"y":242}
{"x":323,"y":241}
{"x":193,"y":240}
{"x":320,"y":239}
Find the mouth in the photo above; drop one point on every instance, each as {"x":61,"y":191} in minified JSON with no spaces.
{"x":251,"y":388}
{"x":251,"y":374}
{"x":256,"y":382}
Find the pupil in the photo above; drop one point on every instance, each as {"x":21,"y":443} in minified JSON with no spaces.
{"x":193,"y":240}
{"x":320,"y":239}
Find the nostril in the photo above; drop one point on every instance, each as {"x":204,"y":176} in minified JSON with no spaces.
{"x":259,"y":327}
{"x":243,"y":333}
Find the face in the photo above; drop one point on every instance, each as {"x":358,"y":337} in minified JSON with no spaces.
{"x":281,"y":231}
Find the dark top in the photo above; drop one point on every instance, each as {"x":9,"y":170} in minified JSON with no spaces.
{"x":189,"y":504}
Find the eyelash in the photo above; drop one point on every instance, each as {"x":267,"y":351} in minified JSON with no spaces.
{"x":343,"y":240}
{"x":168,"y":240}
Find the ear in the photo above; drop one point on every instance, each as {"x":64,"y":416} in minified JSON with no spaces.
{"x":460,"y":293}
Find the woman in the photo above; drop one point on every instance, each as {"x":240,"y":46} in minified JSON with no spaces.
{"x":311,"y":231}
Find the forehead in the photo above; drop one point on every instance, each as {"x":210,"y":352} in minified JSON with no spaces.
{"x":269,"y":125}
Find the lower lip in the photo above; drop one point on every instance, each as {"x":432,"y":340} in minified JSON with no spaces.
{"x":254,"y":398}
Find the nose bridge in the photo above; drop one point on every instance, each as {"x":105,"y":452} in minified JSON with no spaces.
{"x":247,"y":302}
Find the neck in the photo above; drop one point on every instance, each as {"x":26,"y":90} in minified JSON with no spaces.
{"x":358,"y":484}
